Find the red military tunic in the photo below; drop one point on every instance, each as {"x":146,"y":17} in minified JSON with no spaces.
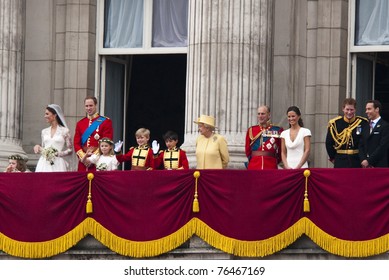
{"x":141,"y":158}
{"x":171,"y":159}
{"x":92,"y":143}
{"x":263,"y":147}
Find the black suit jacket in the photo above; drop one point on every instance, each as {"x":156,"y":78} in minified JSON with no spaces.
{"x":374,"y":146}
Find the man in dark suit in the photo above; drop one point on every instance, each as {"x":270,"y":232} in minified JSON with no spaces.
{"x":373,"y":147}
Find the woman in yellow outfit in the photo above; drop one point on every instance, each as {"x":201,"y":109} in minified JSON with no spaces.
{"x":211,"y":148}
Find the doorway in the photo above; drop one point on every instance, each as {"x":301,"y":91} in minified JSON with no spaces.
{"x":381,"y":88}
{"x":372,"y":81}
{"x":156,"y":96}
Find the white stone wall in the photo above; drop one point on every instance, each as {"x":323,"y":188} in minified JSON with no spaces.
{"x":309,"y":70}
{"x":241,"y":54}
{"x":11,"y":78}
{"x":60,"y":62}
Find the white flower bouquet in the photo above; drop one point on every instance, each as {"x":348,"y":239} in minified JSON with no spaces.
{"x":50,"y":154}
{"x":102,"y":166}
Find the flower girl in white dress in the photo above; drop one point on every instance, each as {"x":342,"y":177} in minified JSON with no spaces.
{"x":56,"y":142}
{"x":104,"y":159}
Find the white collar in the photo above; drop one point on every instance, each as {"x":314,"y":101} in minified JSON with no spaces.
{"x":374,"y":122}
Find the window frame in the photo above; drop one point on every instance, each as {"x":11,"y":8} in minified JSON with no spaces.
{"x":147,"y":35}
{"x":354,"y":48}
{"x":354,"y":51}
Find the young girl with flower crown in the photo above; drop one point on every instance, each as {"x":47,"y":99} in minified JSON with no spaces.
{"x":105,"y":159}
{"x":16,"y":163}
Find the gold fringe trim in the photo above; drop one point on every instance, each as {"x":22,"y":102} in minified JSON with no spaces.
{"x":39,"y":250}
{"x":142,"y":249}
{"x":346,"y":248}
{"x":243,"y":248}
{"x":259,"y":248}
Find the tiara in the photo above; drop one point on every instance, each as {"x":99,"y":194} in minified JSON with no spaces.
{"x":106,"y":140}
{"x":17,"y":157}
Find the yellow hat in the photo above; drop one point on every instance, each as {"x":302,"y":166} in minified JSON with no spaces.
{"x":206,"y":120}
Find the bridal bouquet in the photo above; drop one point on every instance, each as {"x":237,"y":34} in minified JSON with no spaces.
{"x":102,"y":166}
{"x":50,"y":154}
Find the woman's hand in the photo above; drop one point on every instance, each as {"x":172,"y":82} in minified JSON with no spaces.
{"x":37,"y":149}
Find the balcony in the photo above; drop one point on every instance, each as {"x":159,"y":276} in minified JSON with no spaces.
{"x":209,"y":214}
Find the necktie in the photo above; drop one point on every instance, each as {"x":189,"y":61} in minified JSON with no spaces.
{"x":371,"y":126}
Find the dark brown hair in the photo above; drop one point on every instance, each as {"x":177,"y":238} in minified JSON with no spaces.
{"x":297,"y":111}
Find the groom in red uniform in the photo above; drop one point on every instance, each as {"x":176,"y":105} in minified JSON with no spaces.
{"x":263,"y":143}
{"x":89,"y":131}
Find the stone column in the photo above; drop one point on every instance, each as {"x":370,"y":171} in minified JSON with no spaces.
{"x":229,"y":59}
{"x":11,"y":77}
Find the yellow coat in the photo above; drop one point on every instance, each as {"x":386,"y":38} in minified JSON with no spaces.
{"x":212,"y":152}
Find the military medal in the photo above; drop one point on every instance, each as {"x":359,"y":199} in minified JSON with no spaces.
{"x":97,"y":136}
{"x":359,"y":129}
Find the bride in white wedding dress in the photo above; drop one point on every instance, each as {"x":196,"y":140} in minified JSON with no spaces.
{"x":56,"y":148}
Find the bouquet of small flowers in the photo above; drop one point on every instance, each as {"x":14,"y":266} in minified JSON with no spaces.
{"x":102,"y":166}
{"x":50,"y":154}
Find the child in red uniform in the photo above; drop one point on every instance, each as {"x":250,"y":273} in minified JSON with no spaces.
{"x":173,"y":157}
{"x":141,"y":157}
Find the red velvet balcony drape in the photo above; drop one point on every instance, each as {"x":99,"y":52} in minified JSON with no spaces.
{"x":147,"y":213}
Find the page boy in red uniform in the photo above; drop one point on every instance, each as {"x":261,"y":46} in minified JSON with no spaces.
{"x":141,"y":157}
{"x":173,"y":157}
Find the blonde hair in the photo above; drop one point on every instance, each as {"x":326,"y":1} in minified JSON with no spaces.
{"x":142,"y":132}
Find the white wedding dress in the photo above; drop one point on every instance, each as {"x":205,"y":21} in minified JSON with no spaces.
{"x":295,"y":149}
{"x":62,"y":142}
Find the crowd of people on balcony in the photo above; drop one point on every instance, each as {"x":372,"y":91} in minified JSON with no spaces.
{"x":351,"y":142}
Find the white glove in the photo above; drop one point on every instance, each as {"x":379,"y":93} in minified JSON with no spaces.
{"x":118,"y":146}
{"x":155,"y":147}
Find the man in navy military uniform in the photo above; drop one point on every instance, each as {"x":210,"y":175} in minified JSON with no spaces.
{"x":343,"y":136}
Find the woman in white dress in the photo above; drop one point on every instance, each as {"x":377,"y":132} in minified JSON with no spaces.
{"x":295,"y":141}
{"x":56,"y":142}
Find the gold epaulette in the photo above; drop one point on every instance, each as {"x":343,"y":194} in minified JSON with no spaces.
{"x":335,"y":119}
{"x":362,"y":118}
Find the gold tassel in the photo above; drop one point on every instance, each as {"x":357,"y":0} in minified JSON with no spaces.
{"x":89,"y":205}
{"x":307,"y":207}
{"x":196,"y":206}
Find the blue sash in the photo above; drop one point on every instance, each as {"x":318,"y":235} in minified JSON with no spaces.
{"x":91,"y":128}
